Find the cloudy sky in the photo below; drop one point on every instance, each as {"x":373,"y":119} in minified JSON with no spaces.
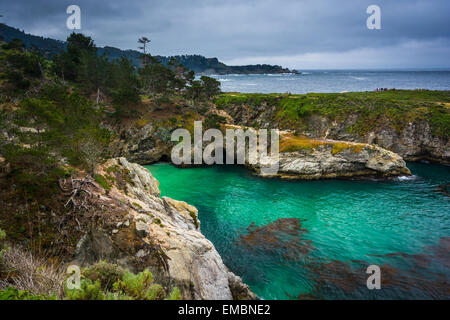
{"x":303,"y":34}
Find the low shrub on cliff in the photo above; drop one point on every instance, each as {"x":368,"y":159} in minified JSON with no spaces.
{"x":12,"y":293}
{"x":102,"y":181}
{"x":139,"y":286}
{"x":106,"y":273}
{"x":26,"y":276}
{"x":88,"y":291}
{"x":106,"y":281}
{"x":2,"y":249}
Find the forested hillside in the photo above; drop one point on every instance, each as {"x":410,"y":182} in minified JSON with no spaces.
{"x":199,"y":64}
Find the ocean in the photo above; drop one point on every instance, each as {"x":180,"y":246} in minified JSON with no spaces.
{"x":315,"y":239}
{"x":335,"y":81}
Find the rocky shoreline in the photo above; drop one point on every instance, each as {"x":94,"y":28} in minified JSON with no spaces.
{"x":300,"y":157}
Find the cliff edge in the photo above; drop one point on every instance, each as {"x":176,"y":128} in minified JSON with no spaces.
{"x":159,"y":234}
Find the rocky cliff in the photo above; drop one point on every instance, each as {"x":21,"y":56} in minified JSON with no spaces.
{"x":300,"y":156}
{"x":413,"y":124}
{"x":161,"y":234}
{"x":146,"y":144}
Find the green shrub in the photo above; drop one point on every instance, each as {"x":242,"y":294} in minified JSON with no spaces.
{"x":88,"y":291}
{"x":135,"y":285}
{"x":2,"y":238}
{"x":102,"y":181}
{"x":106,"y":281}
{"x":106,"y":273}
{"x":174,"y":294}
{"x":214,"y":121}
{"x":17,"y":79}
{"x":12,"y":293}
{"x":155,"y":292}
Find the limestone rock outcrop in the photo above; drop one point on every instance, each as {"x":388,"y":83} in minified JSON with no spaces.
{"x":336,"y":159}
{"x":159,"y":234}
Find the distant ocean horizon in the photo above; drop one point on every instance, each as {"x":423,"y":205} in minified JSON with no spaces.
{"x":335,"y":81}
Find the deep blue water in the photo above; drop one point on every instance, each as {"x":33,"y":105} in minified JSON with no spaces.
{"x":335,"y":81}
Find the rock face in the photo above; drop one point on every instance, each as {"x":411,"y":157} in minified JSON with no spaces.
{"x":336,"y":159}
{"x":317,"y":157}
{"x":161,"y":234}
{"x":142,"y":145}
{"x":312,"y":159}
{"x":415,"y":141}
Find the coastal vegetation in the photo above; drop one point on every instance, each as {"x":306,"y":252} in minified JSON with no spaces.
{"x":25,"y":276}
{"x":57,"y":123}
{"x":289,"y":143}
{"x":197,"y":63}
{"x":394,"y":107}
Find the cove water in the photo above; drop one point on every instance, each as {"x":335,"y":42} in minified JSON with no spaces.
{"x":315,"y":239}
{"x":335,"y":81}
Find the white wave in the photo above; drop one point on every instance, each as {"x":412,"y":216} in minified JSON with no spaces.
{"x":358,"y":78}
{"x":407,"y":178}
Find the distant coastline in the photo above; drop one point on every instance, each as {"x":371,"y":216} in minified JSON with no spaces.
{"x":198,"y":63}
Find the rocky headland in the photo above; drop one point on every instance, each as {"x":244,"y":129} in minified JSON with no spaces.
{"x":413,"y":124}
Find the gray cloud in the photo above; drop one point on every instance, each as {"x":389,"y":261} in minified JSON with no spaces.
{"x":297,"y":33}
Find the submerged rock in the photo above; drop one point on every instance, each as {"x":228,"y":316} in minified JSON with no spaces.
{"x":162,"y":235}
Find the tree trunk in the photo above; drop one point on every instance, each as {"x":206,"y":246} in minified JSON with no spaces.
{"x":42,"y":71}
{"x":98,"y":95}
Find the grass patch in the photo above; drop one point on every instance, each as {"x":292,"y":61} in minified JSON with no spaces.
{"x":194,"y":217}
{"x":137,"y":205}
{"x":101,"y":180}
{"x":291,"y":143}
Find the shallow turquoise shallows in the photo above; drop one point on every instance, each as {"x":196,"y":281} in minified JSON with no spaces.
{"x":315,"y":239}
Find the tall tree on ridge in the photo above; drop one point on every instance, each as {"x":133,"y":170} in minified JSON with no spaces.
{"x":144,"y":41}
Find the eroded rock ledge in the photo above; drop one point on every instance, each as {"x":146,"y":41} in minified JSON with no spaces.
{"x":301,"y":157}
{"x":161,"y":234}
{"x":304,"y":158}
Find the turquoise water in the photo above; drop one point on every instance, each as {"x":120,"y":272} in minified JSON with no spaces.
{"x":315,"y":239}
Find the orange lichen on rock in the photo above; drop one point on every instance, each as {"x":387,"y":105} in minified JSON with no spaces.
{"x":290,"y":143}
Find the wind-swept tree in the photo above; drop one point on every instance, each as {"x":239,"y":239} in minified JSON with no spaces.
{"x":144,"y":41}
{"x":211,"y":87}
{"x":183,"y":76}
